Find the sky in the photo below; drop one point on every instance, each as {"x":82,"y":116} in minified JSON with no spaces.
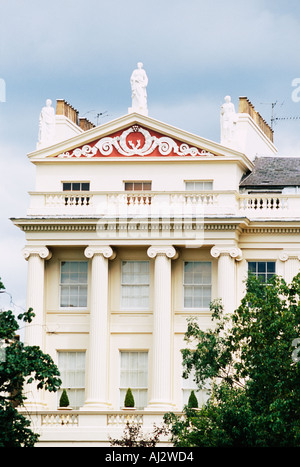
{"x":194,"y":52}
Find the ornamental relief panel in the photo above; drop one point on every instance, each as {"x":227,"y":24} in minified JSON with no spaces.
{"x":135,"y":141}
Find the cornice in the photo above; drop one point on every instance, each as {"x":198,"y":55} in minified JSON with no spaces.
{"x":96,"y":224}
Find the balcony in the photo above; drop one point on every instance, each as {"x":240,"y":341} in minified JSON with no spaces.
{"x":143,"y":204}
{"x":75,"y":428}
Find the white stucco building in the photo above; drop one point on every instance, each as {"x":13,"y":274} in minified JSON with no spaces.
{"x":133,"y":226}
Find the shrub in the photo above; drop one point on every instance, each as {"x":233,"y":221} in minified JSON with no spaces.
{"x":129,"y":399}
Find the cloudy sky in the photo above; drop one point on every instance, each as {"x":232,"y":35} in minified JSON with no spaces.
{"x":194,"y":52}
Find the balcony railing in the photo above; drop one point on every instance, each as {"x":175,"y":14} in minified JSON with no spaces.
{"x":164,"y":204}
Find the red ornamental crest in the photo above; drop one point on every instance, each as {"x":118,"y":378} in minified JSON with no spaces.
{"x":133,"y":142}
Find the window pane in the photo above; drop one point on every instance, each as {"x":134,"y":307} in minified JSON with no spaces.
{"x":72,"y":370}
{"x":134,"y":375}
{"x":73,"y":280}
{"x":76,"y":186}
{"x":197,"y":284}
{"x":128,"y":186}
{"x":135,"y":284}
{"x":67,"y":186}
{"x":85,"y":186}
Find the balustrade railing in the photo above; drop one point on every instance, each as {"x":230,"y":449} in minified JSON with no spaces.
{"x":142,"y":203}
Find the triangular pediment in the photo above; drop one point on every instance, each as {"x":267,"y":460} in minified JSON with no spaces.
{"x":135,"y":141}
{"x":133,"y":136}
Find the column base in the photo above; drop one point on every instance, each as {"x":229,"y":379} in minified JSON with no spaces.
{"x":96,"y":406}
{"x":34,"y":406}
{"x":161,"y":406}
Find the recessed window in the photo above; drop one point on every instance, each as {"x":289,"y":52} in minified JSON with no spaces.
{"x":262,"y":270}
{"x":200,"y":185}
{"x":137,"y":186}
{"x":197,"y":284}
{"x":71,"y":366}
{"x":135,"y":283}
{"x":134,"y":375}
{"x":76,"y":186}
{"x":73,"y":283}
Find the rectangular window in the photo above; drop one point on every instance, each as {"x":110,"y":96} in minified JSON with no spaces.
{"x":71,"y":366}
{"x":263,"y":270}
{"x":134,"y":375}
{"x":73,"y":283}
{"x":137,"y":186}
{"x":200,"y":185}
{"x":135,"y":284}
{"x":76,"y":186}
{"x":197,"y":284}
{"x":189,"y":385}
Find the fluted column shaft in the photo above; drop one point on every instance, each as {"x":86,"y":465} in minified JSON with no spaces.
{"x":162,"y":328}
{"x":34,"y":331}
{"x":291,"y":264}
{"x":226,"y":275}
{"x":96,"y":397}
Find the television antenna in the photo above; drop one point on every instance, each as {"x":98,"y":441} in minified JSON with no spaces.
{"x":98,"y":114}
{"x":275,"y":119}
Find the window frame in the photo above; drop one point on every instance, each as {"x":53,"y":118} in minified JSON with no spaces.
{"x":122,"y":284}
{"x":70,"y":390}
{"x":123,"y":388}
{"x":198,"y":181}
{"x":257,"y":274}
{"x":201,"y":308}
{"x":72,"y":182}
{"x":61,"y":307}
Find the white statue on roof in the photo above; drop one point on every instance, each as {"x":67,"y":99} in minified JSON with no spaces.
{"x":228,"y":121}
{"x":139,"y":82}
{"x":46,"y":125}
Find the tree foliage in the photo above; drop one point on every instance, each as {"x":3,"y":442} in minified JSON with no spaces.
{"x":247,"y":357}
{"x":20,"y":365}
{"x":133,"y":436}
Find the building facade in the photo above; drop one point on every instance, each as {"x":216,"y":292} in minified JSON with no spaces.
{"x":134,"y":226}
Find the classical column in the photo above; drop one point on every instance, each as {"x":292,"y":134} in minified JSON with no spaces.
{"x":162,"y":328}
{"x":34,"y":331}
{"x":291,"y":264}
{"x":96,"y":397}
{"x":226,"y":274}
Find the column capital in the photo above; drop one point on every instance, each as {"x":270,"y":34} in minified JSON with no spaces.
{"x":162,"y":250}
{"x":41,"y":251}
{"x":104,"y":250}
{"x":234,"y":252}
{"x":284,"y":255}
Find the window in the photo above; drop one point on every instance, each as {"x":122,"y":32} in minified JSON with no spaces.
{"x":197,"y":284}
{"x":198,"y":185}
{"x":71,"y":366}
{"x":73,"y":283}
{"x":189,"y":385}
{"x":76,"y":186}
{"x":135,"y":280}
{"x":134,"y":375}
{"x":263,"y":270}
{"x":137,"y":186}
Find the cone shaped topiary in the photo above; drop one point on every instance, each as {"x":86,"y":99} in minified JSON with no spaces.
{"x":192,"y":402}
{"x":129,"y":399}
{"x":64,"y":400}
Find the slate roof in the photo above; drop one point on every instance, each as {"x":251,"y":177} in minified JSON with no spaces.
{"x":273,"y":171}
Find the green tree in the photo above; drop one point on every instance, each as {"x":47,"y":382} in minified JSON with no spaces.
{"x":251,"y":361}
{"x":20,"y":365}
